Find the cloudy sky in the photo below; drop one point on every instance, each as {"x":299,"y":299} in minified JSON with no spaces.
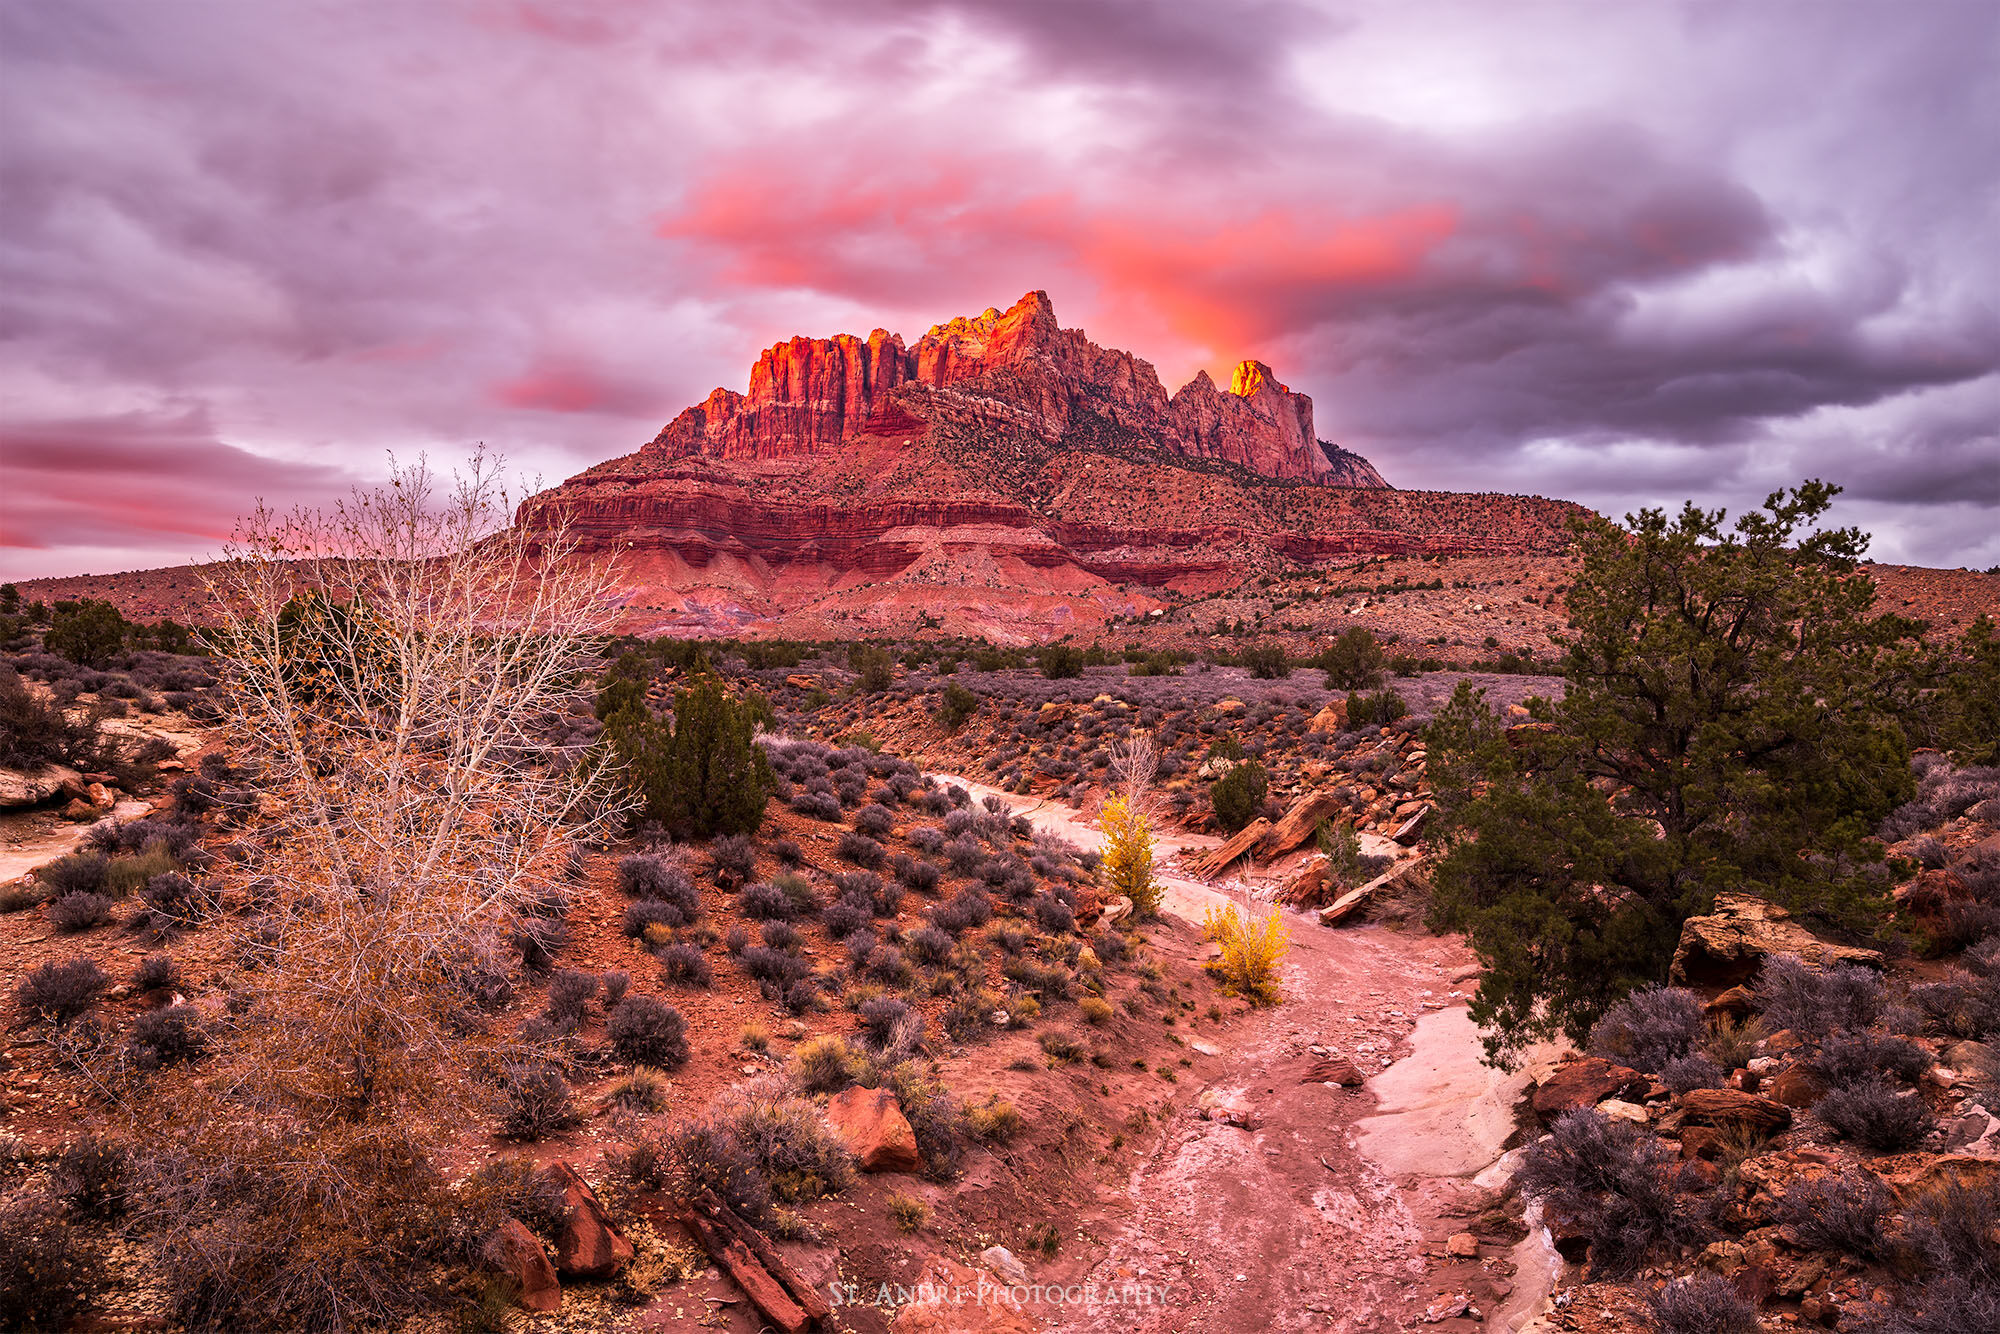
{"x":1624,"y":253}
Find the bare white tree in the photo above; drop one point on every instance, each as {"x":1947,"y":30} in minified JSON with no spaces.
{"x":402,"y":672}
{"x":401,"y":669}
{"x":1135,"y":762}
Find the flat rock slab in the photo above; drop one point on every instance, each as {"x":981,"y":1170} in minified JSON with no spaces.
{"x":1444,"y":1112}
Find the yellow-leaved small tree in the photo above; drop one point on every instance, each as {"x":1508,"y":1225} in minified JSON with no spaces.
{"x":1128,"y":856}
{"x":1251,"y":952}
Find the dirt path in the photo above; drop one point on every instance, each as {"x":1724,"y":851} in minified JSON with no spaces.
{"x":1329,"y":1213}
{"x":29,"y":839}
{"x":32,"y":838}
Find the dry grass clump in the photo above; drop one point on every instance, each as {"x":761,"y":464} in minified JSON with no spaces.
{"x":758,"y":1146}
{"x":642,"y":1089}
{"x":994,"y":1121}
{"x":909,"y":1212}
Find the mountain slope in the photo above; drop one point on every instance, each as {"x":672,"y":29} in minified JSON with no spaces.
{"x":1003,"y":476}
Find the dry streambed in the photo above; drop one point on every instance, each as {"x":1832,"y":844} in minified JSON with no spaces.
{"x":1284,"y":1202}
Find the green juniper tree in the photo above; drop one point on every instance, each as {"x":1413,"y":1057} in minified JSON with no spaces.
{"x":1341,"y":847}
{"x":1729,"y":723}
{"x":89,"y":633}
{"x":874,"y":670}
{"x":955,"y":705}
{"x":1352,"y":662}
{"x":624,"y":685}
{"x":1060,"y":661}
{"x":701,"y":772}
{"x":1238,"y":795}
{"x":1971,"y":696}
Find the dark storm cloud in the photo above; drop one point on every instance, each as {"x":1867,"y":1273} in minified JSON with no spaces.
{"x":1626,"y":253}
{"x":1234,"y":50}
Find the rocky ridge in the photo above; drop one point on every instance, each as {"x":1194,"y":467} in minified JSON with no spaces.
{"x":1002,"y":477}
{"x":1014,"y":369}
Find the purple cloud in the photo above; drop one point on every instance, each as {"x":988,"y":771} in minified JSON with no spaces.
{"x":1612,"y":252}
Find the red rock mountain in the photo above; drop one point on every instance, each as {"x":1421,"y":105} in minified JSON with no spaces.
{"x":1017,"y":369}
{"x":1003,"y":476}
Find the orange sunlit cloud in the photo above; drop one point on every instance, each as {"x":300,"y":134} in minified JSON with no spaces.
{"x":1164,"y":280}
{"x":1227,"y":288}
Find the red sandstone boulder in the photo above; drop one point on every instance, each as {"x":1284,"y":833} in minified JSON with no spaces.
{"x":519,"y":1257}
{"x":1246,"y":838}
{"x":1584,"y":1082}
{"x":1331,"y":718}
{"x":21,"y":788}
{"x":1334,"y":1070}
{"x":872,"y":1126}
{"x":949,"y":1298}
{"x":1522,"y":734}
{"x":1730,"y":1107}
{"x":1735,"y":1003}
{"x":1796,"y":1086}
{"x":1914,"y":1175}
{"x":1299,"y":823}
{"x":1727,"y":946}
{"x":588,"y":1246}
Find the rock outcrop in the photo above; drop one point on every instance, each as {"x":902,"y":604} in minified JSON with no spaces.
{"x":805,"y":394}
{"x":22,"y":788}
{"x":1013,"y":368}
{"x":1584,"y":1082}
{"x":1002,"y":477}
{"x":1259,"y":423}
{"x":521,"y":1260}
{"x":587,"y":1245}
{"x":1728,"y":945}
{"x":950,"y":1298}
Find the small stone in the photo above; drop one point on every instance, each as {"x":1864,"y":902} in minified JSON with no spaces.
{"x":1004,"y":1263}
{"x":1444,"y":1308}
{"x":1463,"y":1246}
{"x":1229,"y":1109}
{"x":1583,"y":1082}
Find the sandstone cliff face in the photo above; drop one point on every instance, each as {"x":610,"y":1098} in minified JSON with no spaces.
{"x":1259,"y":423}
{"x":1005,"y":537}
{"x":1018,"y":368}
{"x":1002,"y":476}
{"x":806,"y":394}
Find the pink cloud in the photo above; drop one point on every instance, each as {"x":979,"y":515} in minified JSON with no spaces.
{"x":560,"y":386}
{"x":161,"y":482}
